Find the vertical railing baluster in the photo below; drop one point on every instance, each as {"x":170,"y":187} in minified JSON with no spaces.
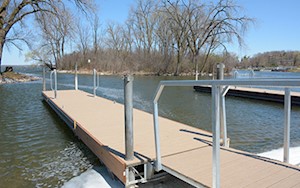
{"x":287,"y":122}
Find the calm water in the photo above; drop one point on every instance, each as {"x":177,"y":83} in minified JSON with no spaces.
{"x":38,"y":150}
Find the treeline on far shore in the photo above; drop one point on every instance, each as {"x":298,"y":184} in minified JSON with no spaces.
{"x":113,"y":62}
{"x":118,"y":62}
{"x":271,"y":60}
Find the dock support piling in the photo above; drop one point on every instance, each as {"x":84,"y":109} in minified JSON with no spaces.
{"x":44,"y":79}
{"x":220,"y":71}
{"x":287,"y":122}
{"x":128,"y":109}
{"x":128,"y":105}
{"x":76,"y":77}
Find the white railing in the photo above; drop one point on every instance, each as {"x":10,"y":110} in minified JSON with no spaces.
{"x":55,"y":82}
{"x":217,"y":92}
{"x":95,"y":81}
{"x":247,"y":74}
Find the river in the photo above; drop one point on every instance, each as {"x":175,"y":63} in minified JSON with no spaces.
{"x":38,"y":150}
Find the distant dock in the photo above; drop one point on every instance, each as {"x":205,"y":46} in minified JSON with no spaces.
{"x":186,"y":151}
{"x":255,"y":93}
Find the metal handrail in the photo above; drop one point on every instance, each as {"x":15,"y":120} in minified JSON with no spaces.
{"x":44,"y":79}
{"x":76,"y":77}
{"x":51,"y":80}
{"x":96,"y":79}
{"x":216,"y":96}
{"x":55,"y":82}
{"x":250,"y":74}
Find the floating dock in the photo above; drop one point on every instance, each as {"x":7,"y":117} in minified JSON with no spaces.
{"x":256,"y":93}
{"x":186,"y":151}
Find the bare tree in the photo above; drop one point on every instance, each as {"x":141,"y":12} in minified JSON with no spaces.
{"x":96,"y":27}
{"x":115,"y":39}
{"x":164,"y":36}
{"x":204,"y":27}
{"x":165,"y":41}
{"x":178,"y":26}
{"x":83,"y":37}
{"x":55,"y":31}
{"x":12,"y":12}
{"x":143,"y":19}
{"x":224,"y":25}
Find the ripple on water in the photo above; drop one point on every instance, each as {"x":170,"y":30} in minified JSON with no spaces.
{"x":37,"y":150}
{"x":58,"y":167}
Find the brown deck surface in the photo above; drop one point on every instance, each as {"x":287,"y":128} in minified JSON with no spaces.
{"x":185,"y":150}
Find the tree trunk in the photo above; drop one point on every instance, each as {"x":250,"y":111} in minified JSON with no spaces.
{"x":204,"y":64}
{"x":177,"y":71}
{"x":1,"y":52}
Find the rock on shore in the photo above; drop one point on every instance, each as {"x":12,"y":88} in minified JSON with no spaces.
{"x":12,"y":77}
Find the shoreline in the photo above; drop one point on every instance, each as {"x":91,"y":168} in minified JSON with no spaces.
{"x":140,"y":73}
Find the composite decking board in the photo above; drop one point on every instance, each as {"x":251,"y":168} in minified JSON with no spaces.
{"x":290,"y":181}
{"x":271,"y":179}
{"x":186,"y":150}
{"x":236,"y":170}
{"x":102,"y":124}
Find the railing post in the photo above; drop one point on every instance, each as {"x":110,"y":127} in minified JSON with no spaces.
{"x":55,"y":84}
{"x":76,"y":77}
{"x":235,"y":74}
{"x":220,"y":71}
{"x":128,"y":105}
{"x":251,"y":74}
{"x":220,"y":76}
{"x":216,"y":135}
{"x":95,"y":81}
{"x":287,"y":121}
{"x":157,"y":164}
{"x":51,"y":80}
{"x":44,"y":78}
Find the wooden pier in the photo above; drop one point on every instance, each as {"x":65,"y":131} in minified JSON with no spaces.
{"x":186,"y":151}
{"x":255,"y":93}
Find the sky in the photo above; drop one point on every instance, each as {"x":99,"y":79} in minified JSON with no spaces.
{"x":277,"y":26}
